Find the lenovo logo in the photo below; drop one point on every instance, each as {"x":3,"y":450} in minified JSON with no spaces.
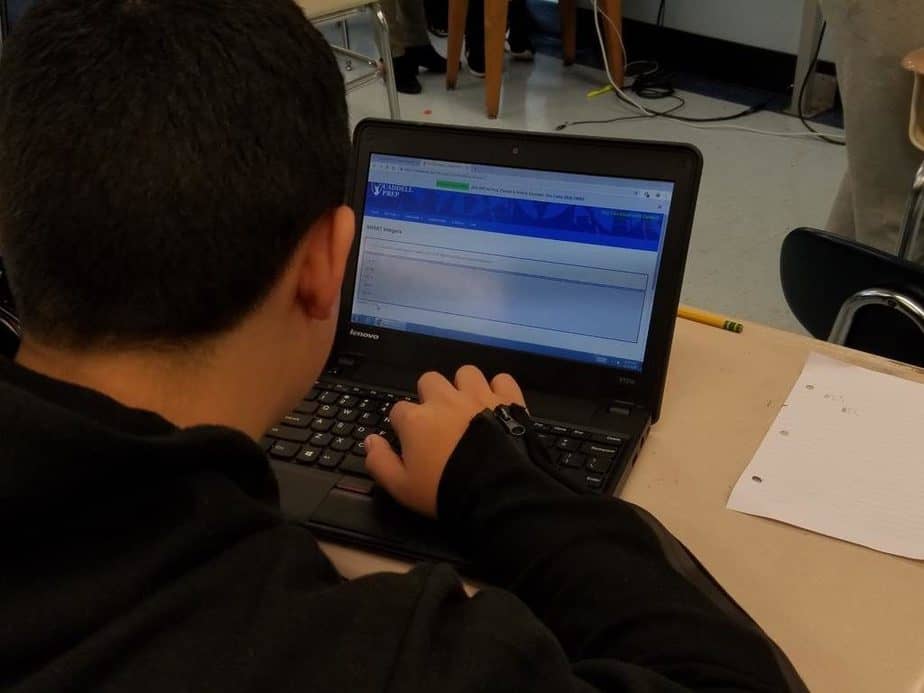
{"x":364,"y":335}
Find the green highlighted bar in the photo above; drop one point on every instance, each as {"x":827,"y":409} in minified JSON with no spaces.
{"x":452,"y":185}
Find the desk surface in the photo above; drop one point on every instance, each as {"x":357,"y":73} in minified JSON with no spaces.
{"x":850,"y":618}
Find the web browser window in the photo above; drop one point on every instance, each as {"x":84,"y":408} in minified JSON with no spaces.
{"x":557,"y":264}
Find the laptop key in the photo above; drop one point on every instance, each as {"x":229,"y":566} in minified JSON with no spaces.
{"x":567,"y":444}
{"x":367,"y":405}
{"x":308,"y":455}
{"x":341,"y":444}
{"x":354,"y":464}
{"x":341,"y":428}
{"x":359,"y":449}
{"x":547,"y":439}
{"x":594,"y":481}
{"x":599,"y":465}
{"x":607,"y":439}
{"x":328,"y":411}
{"x":360,"y":432}
{"x":559,"y":430}
{"x":266,"y":443}
{"x":368,"y":418}
{"x":348,"y":415}
{"x":298,"y":435}
{"x":384,"y":408}
{"x":321,"y":425}
{"x":598,"y":450}
{"x":307,"y":407}
{"x":328,"y":397}
{"x":347,"y":401}
{"x":284,"y":450}
{"x":572,"y":459}
{"x":297,"y":420}
{"x":313,"y":394}
{"x":575,"y":433}
{"x":321,"y":440}
{"x":356,"y":485}
{"x":330,"y":459}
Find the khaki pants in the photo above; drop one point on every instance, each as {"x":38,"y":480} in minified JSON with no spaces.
{"x":407,"y":24}
{"x":871,"y":37}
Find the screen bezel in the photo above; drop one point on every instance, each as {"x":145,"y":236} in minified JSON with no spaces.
{"x":679,"y":164}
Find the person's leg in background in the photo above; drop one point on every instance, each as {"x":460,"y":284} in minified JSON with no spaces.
{"x":437,"y":12}
{"x":410,"y":44}
{"x":519,"y":44}
{"x":871,"y":37}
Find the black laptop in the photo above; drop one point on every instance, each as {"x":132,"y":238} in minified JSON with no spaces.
{"x":556,"y":259}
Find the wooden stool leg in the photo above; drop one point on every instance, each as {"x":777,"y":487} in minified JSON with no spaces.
{"x":614,"y":45}
{"x":568,"y":12}
{"x":495,"y":29}
{"x":458,"y":9}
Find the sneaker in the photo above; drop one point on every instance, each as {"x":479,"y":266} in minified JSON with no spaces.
{"x":520,"y":47}
{"x":475,"y":60}
{"x":438,"y":31}
{"x":406,"y":75}
{"x":427,"y":58}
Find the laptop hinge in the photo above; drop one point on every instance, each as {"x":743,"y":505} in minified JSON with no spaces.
{"x":620,"y":408}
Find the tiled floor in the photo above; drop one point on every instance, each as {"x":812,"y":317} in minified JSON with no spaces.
{"x":755,"y":188}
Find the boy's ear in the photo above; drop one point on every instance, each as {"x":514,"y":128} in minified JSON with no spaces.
{"x":325,"y":252}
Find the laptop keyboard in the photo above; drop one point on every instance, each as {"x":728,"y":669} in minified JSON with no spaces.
{"x":326,"y":430}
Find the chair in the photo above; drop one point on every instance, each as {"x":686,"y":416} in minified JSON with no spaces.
{"x":914,"y":216}
{"x":340,"y":11}
{"x":10,"y":331}
{"x":495,"y":29}
{"x":848,"y":293}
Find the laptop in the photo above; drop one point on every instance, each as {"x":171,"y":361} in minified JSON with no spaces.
{"x":554,"y":258}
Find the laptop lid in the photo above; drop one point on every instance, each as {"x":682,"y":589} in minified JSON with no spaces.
{"x":558,"y":259}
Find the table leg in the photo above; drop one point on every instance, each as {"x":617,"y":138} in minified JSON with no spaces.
{"x":568,"y":12}
{"x":495,"y":30}
{"x":614,"y":46}
{"x":458,"y":9}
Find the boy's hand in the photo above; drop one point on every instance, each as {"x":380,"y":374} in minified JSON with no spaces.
{"x":430,"y":431}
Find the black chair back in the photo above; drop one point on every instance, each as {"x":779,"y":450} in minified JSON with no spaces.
{"x":820,"y":271}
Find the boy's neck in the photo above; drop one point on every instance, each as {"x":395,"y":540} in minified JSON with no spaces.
{"x":188,"y":388}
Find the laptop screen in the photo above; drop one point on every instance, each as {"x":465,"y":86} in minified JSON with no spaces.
{"x":556,"y":264}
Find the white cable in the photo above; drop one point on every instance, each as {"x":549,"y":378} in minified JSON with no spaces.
{"x":651,"y":114}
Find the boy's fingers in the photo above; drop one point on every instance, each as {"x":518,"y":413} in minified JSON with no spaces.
{"x":385,"y":465}
{"x":507,"y":390}
{"x":471,"y":380}
{"x":431,"y":385}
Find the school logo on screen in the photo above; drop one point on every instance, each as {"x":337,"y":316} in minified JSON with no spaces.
{"x":389,"y":189}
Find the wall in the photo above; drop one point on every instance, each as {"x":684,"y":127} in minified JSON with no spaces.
{"x":773,"y":24}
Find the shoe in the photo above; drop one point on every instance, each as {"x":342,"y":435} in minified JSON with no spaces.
{"x":438,"y":31}
{"x":406,"y":75}
{"x":520,"y":47}
{"x":427,"y":58}
{"x":475,"y":60}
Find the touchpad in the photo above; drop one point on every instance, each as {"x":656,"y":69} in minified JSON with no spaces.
{"x":301,"y":489}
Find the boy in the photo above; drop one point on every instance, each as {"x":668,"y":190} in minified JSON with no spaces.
{"x":171,"y":187}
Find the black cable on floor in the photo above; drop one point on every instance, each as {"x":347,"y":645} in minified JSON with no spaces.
{"x":808,"y":75}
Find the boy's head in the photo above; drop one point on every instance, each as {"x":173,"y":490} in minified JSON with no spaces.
{"x":165,"y":166}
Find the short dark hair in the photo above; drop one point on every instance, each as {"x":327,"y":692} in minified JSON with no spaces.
{"x":159,"y":162}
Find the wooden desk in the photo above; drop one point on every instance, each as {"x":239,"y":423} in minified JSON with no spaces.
{"x":850,"y":618}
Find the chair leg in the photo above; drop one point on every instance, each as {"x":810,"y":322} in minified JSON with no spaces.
{"x":914,"y":218}
{"x":614,"y":43}
{"x":568,"y":13}
{"x":495,"y":30}
{"x":458,"y":10}
{"x":345,"y":40}
{"x":380,"y":25}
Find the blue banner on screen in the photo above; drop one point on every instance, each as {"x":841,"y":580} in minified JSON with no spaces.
{"x":618,"y":228}
{"x":559,"y":265}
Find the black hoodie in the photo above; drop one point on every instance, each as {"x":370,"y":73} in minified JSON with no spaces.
{"x":137,"y":556}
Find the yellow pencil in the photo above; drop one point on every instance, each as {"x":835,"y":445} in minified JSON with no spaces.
{"x":707,"y":318}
